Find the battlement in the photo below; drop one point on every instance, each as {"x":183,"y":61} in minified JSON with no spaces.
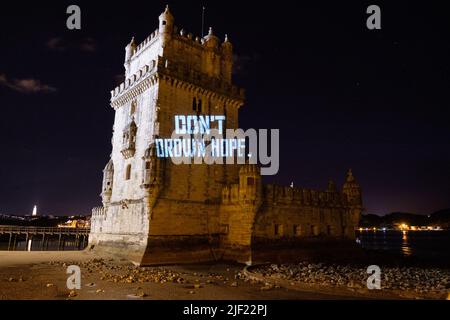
{"x":187,"y":39}
{"x":276,"y":195}
{"x":204,"y":62}
{"x":145,"y":44}
{"x":303,"y":196}
{"x":150,"y":73}
{"x":98,"y":212}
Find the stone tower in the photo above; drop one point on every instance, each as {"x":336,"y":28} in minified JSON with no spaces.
{"x":149,"y":203}
{"x":155,"y":211}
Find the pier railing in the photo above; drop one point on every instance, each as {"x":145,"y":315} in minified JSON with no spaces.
{"x":44,"y":230}
{"x":43,"y":235}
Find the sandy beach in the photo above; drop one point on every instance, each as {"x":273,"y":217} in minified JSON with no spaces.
{"x":42,"y":275}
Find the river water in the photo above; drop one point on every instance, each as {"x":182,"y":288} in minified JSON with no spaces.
{"x":422,"y":244}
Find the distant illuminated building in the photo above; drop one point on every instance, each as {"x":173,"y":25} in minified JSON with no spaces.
{"x":34,"y":214}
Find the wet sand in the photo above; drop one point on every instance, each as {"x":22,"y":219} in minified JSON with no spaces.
{"x":42,"y":275}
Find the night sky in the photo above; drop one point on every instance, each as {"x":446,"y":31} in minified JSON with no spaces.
{"x":343,"y":96}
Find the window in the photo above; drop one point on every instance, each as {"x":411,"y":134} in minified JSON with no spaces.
{"x":197,"y":105}
{"x":164,"y":22}
{"x":297,"y":230}
{"x":278,"y":230}
{"x":128,"y":172}
{"x":147,"y":165}
{"x":250,"y":181}
{"x":314,"y":230}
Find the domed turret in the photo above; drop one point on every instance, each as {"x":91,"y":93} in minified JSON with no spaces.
{"x":166,"y":26}
{"x":227,"y":47}
{"x":149,"y":166}
{"x":331,"y":186}
{"x":352,"y":189}
{"x":107,"y":185}
{"x":250,"y":186}
{"x":130,"y":49}
{"x":211,"y":41}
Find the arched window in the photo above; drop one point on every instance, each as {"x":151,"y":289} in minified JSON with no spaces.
{"x":199,"y":109}
{"x":194,"y":104}
{"x":128,"y":172}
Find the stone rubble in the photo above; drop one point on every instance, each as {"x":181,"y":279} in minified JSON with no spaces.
{"x":125,"y":273}
{"x":418,"y":280}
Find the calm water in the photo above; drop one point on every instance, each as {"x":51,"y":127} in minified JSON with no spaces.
{"x":423,"y":244}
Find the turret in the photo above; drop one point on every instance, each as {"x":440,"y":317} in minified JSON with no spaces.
{"x":250,"y":184}
{"x":166,"y":26}
{"x":107,"y":185}
{"x":227,"y":59}
{"x":211,"y":41}
{"x":152,"y":175}
{"x":129,"y":140}
{"x":331,"y":186}
{"x":130,"y":49}
{"x":150,"y":165}
{"x":352,"y":190}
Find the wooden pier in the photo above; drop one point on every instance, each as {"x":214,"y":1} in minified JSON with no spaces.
{"x":44,"y":235}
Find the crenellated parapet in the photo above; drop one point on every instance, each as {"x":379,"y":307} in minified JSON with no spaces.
{"x":149,"y":41}
{"x":277,"y":195}
{"x":177,"y":74}
{"x":182,"y":72}
{"x":134,"y":85}
{"x":195,"y":63}
{"x":98,"y":212}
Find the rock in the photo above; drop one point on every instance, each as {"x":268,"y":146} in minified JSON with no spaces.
{"x":141,"y":294}
{"x":197,"y":286}
{"x":11,"y":279}
{"x":234,"y":284}
{"x":72,"y":294}
{"x":191,"y":292}
{"x":99,"y":290}
{"x":266,"y":287}
{"x":48,"y":285}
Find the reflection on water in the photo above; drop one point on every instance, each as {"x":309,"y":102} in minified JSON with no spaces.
{"x":407,"y":243}
{"x":406,"y":249}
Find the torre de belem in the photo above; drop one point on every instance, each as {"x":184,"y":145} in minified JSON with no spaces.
{"x":157,"y":212}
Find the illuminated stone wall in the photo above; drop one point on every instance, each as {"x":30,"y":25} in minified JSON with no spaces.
{"x":157,"y":212}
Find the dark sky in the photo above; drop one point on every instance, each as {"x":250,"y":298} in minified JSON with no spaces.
{"x":342,"y":95}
